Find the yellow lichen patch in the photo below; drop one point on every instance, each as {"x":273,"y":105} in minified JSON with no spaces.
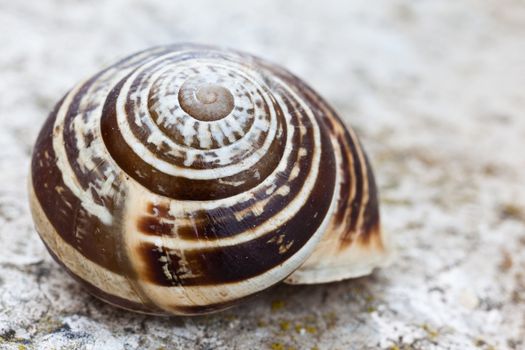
{"x":432,"y":333}
{"x":284,"y":325}
{"x":511,"y":211}
{"x":371,"y":309}
{"x":281,"y":346}
{"x":299,"y":328}
{"x":480,"y":343}
{"x":277,"y":346}
{"x":311,"y":329}
{"x":48,"y":324}
{"x":277,"y":305}
{"x":302,"y":328}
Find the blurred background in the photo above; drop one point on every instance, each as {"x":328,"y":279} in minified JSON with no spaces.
{"x":435,"y":89}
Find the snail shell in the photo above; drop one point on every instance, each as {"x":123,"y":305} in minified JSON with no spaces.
{"x":185,"y":178}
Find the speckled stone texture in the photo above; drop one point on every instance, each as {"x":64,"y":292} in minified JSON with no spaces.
{"x":434,"y":88}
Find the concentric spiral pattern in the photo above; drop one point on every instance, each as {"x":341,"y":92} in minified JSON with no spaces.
{"x":185,"y":178}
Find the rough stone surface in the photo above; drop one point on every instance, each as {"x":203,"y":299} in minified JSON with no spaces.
{"x":434,"y":88}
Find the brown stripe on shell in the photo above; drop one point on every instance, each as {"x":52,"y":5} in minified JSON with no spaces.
{"x":74,"y":111}
{"x":81,"y":106}
{"x":371,"y":222}
{"x":239,"y":262}
{"x":153,"y":226}
{"x":349,"y":206}
{"x":72,"y":222}
{"x":354,"y":202}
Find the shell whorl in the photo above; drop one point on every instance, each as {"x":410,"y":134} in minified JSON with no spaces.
{"x":185,"y":178}
{"x":195,"y":129}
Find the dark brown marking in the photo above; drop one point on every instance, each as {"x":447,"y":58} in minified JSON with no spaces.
{"x":160,"y":210}
{"x":371,"y":222}
{"x":153,"y":226}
